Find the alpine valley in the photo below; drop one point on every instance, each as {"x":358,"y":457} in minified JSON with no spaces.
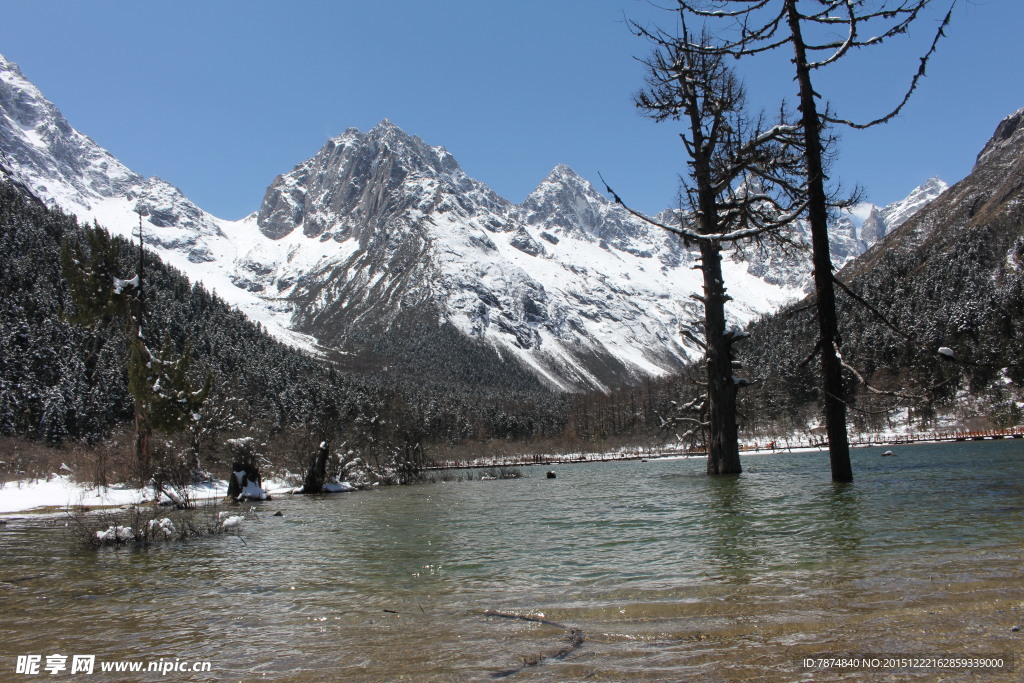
{"x":381,"y":254}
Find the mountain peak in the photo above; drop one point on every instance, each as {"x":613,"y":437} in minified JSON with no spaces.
{"x":56,"y":162}
{"x":359,"y":179}
{"x":385,"y":126}
{"x":897,"y":213}
{"x":927,"y":191}
{"x":23,"y":102}
{"x":565,"y":187}
{"x":565,"y":175}
{"x":386,"y":131}
{"x":563,"y":191}
{"x":8,"y":65}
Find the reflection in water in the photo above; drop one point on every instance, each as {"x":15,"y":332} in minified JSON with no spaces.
{"x":735,"y":542}
{"x":669,"y":573}
{"x":760,"y":524}
{"x":842,"y":532}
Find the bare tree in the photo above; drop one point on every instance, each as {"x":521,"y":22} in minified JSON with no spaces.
{"x":740,"y":187}
{"x":820,"y":33}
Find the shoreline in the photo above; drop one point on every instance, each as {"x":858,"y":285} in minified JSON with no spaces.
{"x":59,"y":493}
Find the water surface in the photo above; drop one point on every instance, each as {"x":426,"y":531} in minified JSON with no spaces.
{"x":664,"y":572}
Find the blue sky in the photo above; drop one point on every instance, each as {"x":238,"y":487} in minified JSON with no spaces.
{"x":219,"y":97}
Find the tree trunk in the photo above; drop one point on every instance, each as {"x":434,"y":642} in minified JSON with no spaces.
{"x":831,"y":370}
{"x":143,"y":458}
{"x":317,"y":474}
{"x":249,"y":473}
{"x":723,"y":443}
{"x":723,"y":438}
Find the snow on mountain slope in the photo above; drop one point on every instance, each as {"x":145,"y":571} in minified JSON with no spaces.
{"x":570,"y":284}
{"x":55,"y":161}
{"x":66,"y":169}
{"x":380,"y":239}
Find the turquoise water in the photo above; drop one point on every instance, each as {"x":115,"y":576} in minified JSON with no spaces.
{"x":665,"y":572}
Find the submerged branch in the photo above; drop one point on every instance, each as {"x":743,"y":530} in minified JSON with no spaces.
{"x":575,"y":637}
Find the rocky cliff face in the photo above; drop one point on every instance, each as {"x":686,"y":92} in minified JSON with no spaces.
{"x":58,"y":161}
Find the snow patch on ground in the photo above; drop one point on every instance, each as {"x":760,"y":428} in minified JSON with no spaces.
{"x":61,"y":492}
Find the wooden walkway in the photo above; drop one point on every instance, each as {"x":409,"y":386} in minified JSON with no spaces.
{"x":891,"y":440}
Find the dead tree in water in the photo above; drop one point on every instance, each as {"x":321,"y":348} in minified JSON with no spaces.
{"x":820,"y":33}
{"x":740,"y":187}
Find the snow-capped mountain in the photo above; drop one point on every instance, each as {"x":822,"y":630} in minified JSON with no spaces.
{"x":67,"y":169}
{"x":380,"y":244}
{"x":567,"y":283}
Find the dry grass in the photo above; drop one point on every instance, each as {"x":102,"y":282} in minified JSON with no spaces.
{"x":107,"y":463}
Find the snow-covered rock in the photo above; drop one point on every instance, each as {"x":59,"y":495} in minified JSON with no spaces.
{"x":883,"y":220}
{"x":231,"y":521}
{"x":335,"y":486}
{"x":161,"y":527}
{"x":116,"y":534}
{"x":250,"y":489}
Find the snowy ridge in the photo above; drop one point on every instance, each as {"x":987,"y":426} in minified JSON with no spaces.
{"x":44,"y":152}
{"x":883,"y":220}
{"x":379,"y":229}
{"x":852,"y":232}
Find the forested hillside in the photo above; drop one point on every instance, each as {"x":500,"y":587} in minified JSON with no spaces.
{"x":951,"y":277}
{"x":61,"y":381}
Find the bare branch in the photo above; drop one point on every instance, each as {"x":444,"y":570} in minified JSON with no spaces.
{"x":913,"y":82}
{"x":873,"y":390}
{"x":814,"y":352}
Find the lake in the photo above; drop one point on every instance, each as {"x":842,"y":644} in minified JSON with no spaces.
{"x":612,"y":571}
